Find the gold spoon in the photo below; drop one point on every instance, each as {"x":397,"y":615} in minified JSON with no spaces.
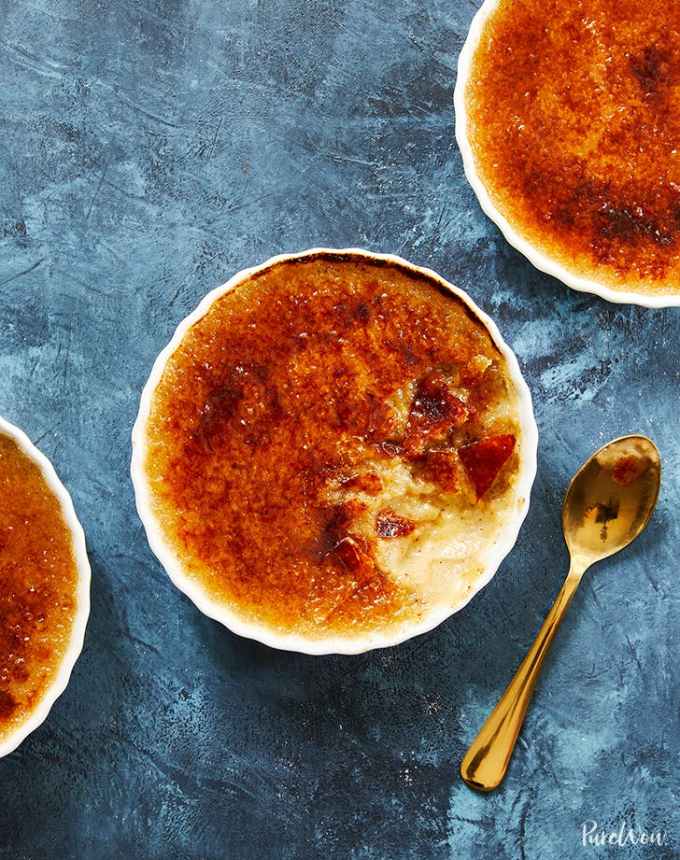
{"x":608,"y":504}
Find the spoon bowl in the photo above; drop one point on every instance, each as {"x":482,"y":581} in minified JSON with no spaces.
{"x":611,"y":498}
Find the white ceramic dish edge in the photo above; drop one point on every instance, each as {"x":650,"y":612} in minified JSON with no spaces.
{"x":330,"y":645}
{"x":75,"y":647}
{"x":540,"y":260}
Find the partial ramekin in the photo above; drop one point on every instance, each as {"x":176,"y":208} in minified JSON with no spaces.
{"x":539,"y":259}
{"x":332,"y":644}
{"x":60,"y":682}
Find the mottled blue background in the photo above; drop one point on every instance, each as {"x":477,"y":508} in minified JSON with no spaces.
{"x":149,"y":150}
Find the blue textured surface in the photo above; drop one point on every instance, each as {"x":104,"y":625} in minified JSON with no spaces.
{"x":150,"y":149}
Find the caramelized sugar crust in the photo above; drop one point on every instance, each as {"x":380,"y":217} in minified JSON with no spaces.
{"x":38,"y":580}
{"x":276,"y":412}
{"x":574,"y":121}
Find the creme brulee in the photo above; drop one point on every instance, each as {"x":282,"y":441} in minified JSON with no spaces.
{"x":573,"y":118}
{"x":38,"y":587}
{"x":333,"y":447}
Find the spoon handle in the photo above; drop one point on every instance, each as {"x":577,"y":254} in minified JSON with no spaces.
{"x":487,"y":760}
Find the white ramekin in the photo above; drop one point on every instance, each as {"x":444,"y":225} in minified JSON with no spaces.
{"x":539,"y":259}
{"x":61,"y":679}
{"x":333,"y":644}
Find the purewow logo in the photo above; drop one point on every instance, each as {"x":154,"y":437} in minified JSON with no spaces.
{"x":625,"y":836}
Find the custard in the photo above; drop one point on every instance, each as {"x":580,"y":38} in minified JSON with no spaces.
{"x":333,"y":447}
{"x":573,"y":117}
{"x":38,"y":584}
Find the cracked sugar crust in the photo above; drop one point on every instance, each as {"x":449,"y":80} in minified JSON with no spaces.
{"x":574,"y":123}
{"x":38,"y":581}
{"x":302,"y":447}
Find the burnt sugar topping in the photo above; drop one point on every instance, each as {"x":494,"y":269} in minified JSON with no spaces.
{"x":574,"y":122}
{"x":331,"y":444}
{"x":38,"y":581}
